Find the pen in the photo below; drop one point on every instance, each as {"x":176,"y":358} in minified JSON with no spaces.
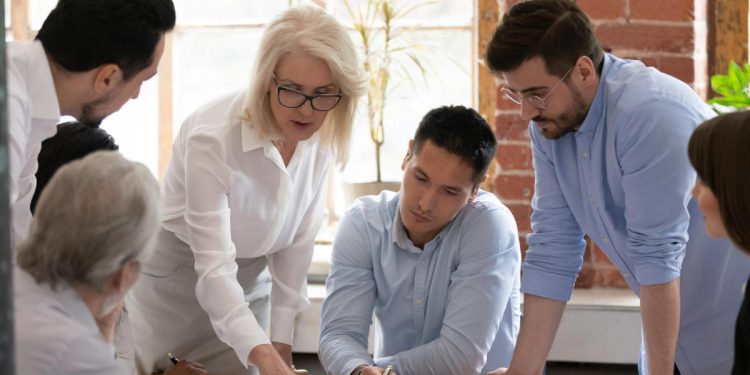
{"x":172,"y":358}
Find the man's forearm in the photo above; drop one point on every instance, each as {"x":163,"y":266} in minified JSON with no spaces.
{"x":660,"y":312}
{"x":541,"y":317}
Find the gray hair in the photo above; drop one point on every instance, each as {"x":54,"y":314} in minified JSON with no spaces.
{"x":311,"y":30}
{"x":94,"y":216}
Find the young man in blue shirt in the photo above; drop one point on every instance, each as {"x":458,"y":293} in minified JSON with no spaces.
{"x":438,"y":263}
{"x":609,"y":144}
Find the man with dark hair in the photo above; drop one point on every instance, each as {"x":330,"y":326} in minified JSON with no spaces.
{"x":90,"y":57}
{"x":438,"y":263}
{"x":609,"y":139}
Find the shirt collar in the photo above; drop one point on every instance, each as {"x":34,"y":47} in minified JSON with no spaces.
{"x":251,"y":140}
{"x":597,"y":108}
{"x":41,"y":85}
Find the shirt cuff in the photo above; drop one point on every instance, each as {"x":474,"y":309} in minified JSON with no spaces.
{"x":384,"y":361}
{"x":282,"y":325}
{"x":545,"y":284}
{"x":657,"y":273}
{"x":244,"y":340}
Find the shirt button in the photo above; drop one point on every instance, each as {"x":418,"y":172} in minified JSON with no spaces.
{"x":606,"y":240}
{"x":626,"y":275}
{"x":419,"y":302}
{"x":585,"y":155}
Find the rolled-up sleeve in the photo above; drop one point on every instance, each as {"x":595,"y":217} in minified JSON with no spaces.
{"x":348,"y":307}
{"x":480,"y":289}
{"x":289,"y":267}
{"x":556,"y":244}
{"x":657,"y":180}
{"x":207,"y":215}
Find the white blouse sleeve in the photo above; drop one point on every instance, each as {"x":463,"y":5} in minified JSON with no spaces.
{"x":288,"y":268}
{"x":207,"y":178}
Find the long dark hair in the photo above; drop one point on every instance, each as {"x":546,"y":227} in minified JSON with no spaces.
{"x":719,"y":150}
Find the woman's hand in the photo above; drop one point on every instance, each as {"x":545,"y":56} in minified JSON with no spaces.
{"x":184,"y":367}
{"x":285,"y":351}
{"x":269,"y":361}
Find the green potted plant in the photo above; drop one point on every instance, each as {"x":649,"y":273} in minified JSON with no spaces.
{"x":733,"y":89}
{"x":386,"y":50}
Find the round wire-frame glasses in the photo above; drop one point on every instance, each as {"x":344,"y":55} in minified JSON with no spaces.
{"x":536,"y":101}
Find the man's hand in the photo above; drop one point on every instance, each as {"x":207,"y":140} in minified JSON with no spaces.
{"x":501,"y":370}
{"x":187,"y":368}
{"x":373,"y":370}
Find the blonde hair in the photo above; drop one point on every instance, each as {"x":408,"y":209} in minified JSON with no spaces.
{"x":94,"y":216}
{"x":308,"y":29}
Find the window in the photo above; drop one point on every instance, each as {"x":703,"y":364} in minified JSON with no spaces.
{"x":211,"y":52}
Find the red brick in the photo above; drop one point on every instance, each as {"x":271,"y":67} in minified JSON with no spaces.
{"x":522,"y":213}
{"x":514,"y":187}
{"x":585,"y":278}
{"x":504,"y":103}
{"x":662,"y":10}
{"x":511,"y":128}
{"x":609,"y":277}
{"x":599,"y":258}
{"x":514,"y":157}
{"x":659,"y":38}
{"x":524,"y":245}
{"x":603,"y":9}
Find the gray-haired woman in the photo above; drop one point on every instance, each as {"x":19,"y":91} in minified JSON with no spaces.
{"x":95,"y":222}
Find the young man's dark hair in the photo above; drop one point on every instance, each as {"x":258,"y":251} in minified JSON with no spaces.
{"x":80,"y":35}
{"x":73,"y":141}
{"x":555,"y":30}
{"x":460,"y":131}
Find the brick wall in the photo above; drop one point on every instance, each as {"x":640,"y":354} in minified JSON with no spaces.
{"x":661,"y":33}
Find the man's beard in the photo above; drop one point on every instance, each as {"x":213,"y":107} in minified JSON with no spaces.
{"x":568,"y":122}
{"x":88,"y":112}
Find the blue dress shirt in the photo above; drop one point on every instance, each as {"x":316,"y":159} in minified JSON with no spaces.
{"x":450,"y":308}
{"x":624,"y":180}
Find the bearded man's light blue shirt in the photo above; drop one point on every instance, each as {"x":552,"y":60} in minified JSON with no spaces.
{"x":450,"y":308}
{"x":624,"y":179}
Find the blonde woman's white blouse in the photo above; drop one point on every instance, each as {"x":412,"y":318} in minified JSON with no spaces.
{"x":228,"y":194}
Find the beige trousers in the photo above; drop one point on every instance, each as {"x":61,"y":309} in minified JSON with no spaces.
{"x":166,"y":317}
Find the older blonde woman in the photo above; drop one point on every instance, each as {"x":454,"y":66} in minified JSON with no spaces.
{"x":244,"y":196}
{"x":94,"y":224}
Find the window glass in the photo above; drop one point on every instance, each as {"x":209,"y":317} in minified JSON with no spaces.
{"x":209,"y":63}
{"x":38,"y":11}
{"x":135,"y":126}
{"x":223,"y":12}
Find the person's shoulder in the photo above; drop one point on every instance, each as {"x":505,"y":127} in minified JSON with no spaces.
{"x":631,"y":86}
{"x":216,"y":115}
{"x":486,"y":211}
{"x":43,"y":336}
{"x":376,"y":210}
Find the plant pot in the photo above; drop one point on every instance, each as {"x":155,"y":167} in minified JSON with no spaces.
{"x":354,"y":190}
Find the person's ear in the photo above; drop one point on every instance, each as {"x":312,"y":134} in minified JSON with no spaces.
{"x":409,"y":153}
{"x":126,"y":276}
{"x":585,"y":71}
{"x":475,"y":189}
{"x":106,"y":78}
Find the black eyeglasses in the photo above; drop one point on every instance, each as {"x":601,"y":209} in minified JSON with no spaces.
{"x":294,"y":99}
